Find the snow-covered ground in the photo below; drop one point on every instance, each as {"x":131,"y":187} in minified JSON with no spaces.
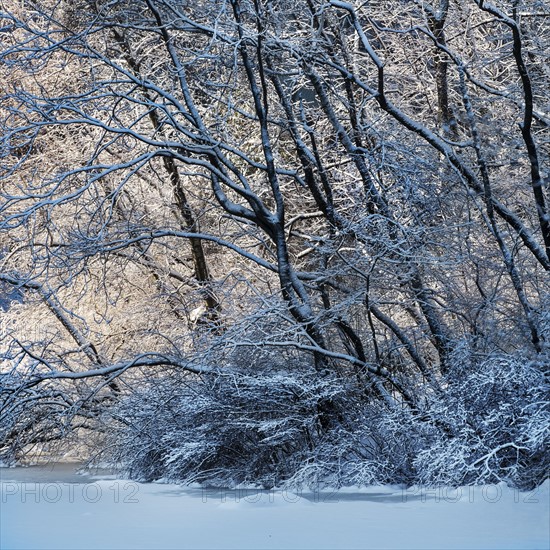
{"x":52,"y":507}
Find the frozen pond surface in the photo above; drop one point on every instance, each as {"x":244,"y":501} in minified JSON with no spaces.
{"x":54,"y":507}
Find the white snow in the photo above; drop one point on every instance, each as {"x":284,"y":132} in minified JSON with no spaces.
{"x":44,"y":508}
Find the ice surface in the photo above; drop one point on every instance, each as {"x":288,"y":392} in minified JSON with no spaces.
{"x":44,"y":508}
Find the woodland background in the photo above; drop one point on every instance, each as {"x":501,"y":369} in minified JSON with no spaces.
{"x":277,"y":242}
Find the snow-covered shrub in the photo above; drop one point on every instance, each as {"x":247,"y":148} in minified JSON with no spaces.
{"x":498,"y":420}
{"x":379,"y":448}
{"x":225,"y":429}
{"x":267,"y":417}
{"x":31,"y":419}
